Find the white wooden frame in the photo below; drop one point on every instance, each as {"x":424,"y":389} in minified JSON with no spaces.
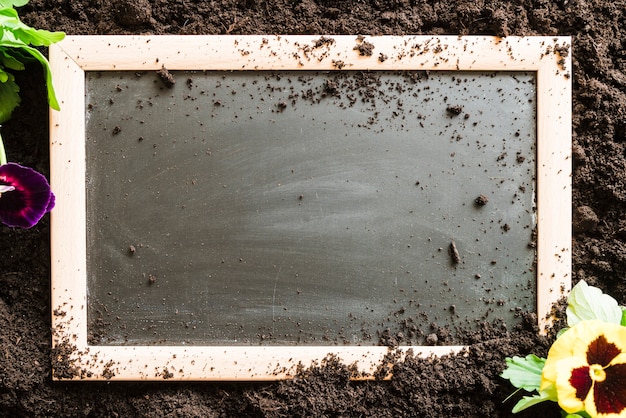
{"x":71,"y":58}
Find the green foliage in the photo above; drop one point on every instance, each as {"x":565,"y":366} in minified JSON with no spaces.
{"x":17,"y":47}
{"x":581,"y":414}
{"x":587,"y":302}
{"x":524,"y":373}
{"x":528,"y":401}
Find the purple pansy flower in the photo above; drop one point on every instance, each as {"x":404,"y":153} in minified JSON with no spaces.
{"x":25,"y":196}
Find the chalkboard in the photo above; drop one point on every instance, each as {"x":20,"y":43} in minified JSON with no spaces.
{"x":307,"y":208}
{"x":298,"y":206}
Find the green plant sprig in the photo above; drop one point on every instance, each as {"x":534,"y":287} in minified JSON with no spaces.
{"x":3,"y":154}
{"x":17,"y":48}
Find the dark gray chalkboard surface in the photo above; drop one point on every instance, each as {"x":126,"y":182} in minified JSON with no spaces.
{"x":307,"y":208}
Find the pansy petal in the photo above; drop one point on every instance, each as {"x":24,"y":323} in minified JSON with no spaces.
{"x":621,"y":359}
{"x":609,"y":396}
{"x":51,"y":202}
{"x":572,"y":343}
{"x":29,"y":201}
{"x":601,"y":351}
{"x":575,"y":343}
{"x":573,"y":384}
{"x":587,"y":365}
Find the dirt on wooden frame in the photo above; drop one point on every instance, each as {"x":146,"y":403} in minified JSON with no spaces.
{"x":459,"y":386}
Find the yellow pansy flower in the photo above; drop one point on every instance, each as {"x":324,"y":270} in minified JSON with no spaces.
{"x":586,"y":367}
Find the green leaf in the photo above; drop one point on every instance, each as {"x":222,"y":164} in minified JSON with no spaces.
{"x":52,"y":98}
{"x":581,"y":414}
{"x":12,"y":3}
{"x":16,"y":39}
{"x":623,"y":321}
{"x":7,"y":41}
{"x":9,"y":98}
{"x":10,"y":23}
{"x":9,"y":61}
{"x":528,"y":401}
{"x":587,"y":302}
{"x":524,"y":373}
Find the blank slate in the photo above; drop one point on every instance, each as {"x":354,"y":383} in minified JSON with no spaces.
{"x":235,"y":207}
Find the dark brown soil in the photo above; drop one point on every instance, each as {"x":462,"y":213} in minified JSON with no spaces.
{"x":461,"y":386}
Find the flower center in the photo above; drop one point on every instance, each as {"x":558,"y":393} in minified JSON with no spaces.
{"x":597,"y":373}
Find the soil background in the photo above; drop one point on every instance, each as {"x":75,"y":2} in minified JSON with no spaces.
{"x":460,"y":386}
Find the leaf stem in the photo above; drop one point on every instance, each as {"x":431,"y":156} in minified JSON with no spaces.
{"x":3,"y":154}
